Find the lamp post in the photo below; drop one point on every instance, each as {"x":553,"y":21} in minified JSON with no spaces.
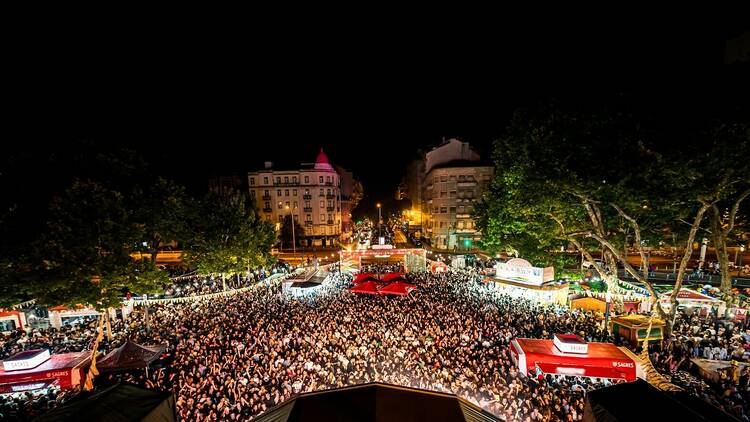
{"x":294,"y":242}
{"x":379,"y":219}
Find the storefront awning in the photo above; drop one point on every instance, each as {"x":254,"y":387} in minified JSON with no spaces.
{"x":581,"y":371}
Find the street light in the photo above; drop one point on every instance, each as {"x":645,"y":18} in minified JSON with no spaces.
{"x":379,"y":219}
{"x":294,"y":242}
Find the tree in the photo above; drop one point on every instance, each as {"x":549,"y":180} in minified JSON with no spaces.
{"x":85,"y":255}
{"x":163,"y":213}
{"x":230,"y":237}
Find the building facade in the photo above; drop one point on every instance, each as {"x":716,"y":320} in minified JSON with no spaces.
{"x":450,"y":194}
{"x":443,"y":184}
{"x":312,"y":194}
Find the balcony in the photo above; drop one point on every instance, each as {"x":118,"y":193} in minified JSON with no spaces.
{"x":307,"y":209}
{"x":267,"y":210}
{"x":466,"y":183}
{"x":286,"y":183}
{"x":307,"y":196}
{"x":266,"y":197}
{"x":465,"y":230}
{"x":308,"y":223}
{"x":330,"y":196}
{"x":463,"y":215}
{"x":329,"y":183}
{"x":329,"y":209}
{"x":329,"y":222}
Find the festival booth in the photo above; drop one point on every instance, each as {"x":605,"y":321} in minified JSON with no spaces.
{"x":693,"y":300}
{"x":362,"y":277}
{"x":389,"y":277}
{"x":11,"y":321}
{"x":712,"y":369}
{"x":367,"y":287}
{"x":595,"y":304}
{"x":518,"y":278}
{"x":60,"y":315}
{"x":570,"y":355}
{"x":438,"y":267}
{"x":36,"y":369}
{"x":130,"y":356}
{"x":633,"y":328}
{"x":397,"y":288}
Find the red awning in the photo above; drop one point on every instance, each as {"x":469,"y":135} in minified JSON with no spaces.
{"x":393,"y":277}
{"x":581,"y":371}
{"x":368,"y":287}
{"x":361,"y":278}
{"x":66,"y":368}
{"x":397,"y":288}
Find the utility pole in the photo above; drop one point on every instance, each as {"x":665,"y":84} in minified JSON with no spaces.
{"x":379,"y":219}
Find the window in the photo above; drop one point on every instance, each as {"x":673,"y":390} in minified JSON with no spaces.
{"x":308,"y":218}
{"x":435,"y":210}
{"x":307,"y":179}
{"x":452,"y":178}
{"x":321,"y":193}
{"x":452,"y":194}
{"x":294,"y":179}
{"x":265,"y":192}
{"x":278,"y":180}
{"x":329,"y":217}
{"x":461,"y":208}
{"x":278,"y":192}
{"x":443,"y":178}
{"x":442,"y":224}
{"x":287,"y":203}
{"x":265,"y":180}
{"x":286,"y":192}
{"x":443,"y":194}
{"x":321,"y":179}
{"x":461,"y":178}
{"x":307,"y":204}
{"x":286,"y":179}
{"x":281,"y":205}
{"x":330,"y":203}
{"x":328,"y":179}
{"x":460,"y":224}
{"x":452,"y":210}
{"x":307,"y":191}
{"x":252,"y":194}
{"x":443,"y":210}
{"x":322,"y":203}
{"x":252,"y":181}
{"x":267,"y":205}
{"x":328,"y":191}
{"x":294,"y":204}
{"x":294,"y":192}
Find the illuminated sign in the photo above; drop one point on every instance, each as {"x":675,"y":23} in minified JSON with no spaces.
{"x":521,"y":271}
{"x":570,"y":343}
{"x":26,"y":360}
{"x":623,"y":364}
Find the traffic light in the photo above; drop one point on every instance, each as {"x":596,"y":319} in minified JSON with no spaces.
{"x":467,"y":243}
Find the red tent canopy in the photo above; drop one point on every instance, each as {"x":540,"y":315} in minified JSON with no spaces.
{"x":362,"y":277}
{"x":393,"y":277}
{"x":397,"y":288}
{"x":368,"y":287}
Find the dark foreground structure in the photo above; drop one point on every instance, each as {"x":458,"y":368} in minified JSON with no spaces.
{"x":375,"y":402}
{"x":640,"y":401}
{"x":119,"y":403}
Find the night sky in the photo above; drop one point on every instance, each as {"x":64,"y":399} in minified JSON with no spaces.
{"x":199,"y":110}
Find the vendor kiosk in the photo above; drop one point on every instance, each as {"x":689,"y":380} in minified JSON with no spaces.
{"x":634,"y":328}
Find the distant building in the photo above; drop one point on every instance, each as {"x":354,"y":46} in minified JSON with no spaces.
{"x":348,"y":200}
{"x":312,"y":193}
{"x":443,"y":184}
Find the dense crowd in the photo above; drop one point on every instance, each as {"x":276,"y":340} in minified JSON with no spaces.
{"x":233,"y":358}
{"x":450,"y":335}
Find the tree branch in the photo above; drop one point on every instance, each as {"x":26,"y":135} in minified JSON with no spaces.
{"x":733,"y":212}
{"x":637,"y":231}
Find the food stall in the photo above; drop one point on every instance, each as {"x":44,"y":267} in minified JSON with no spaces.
{"x":35,"y":369}
{"x":693,"y":300}
{"x":570,"y":355}
{"x":633,"y":328}
{"x":518,"y":278}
